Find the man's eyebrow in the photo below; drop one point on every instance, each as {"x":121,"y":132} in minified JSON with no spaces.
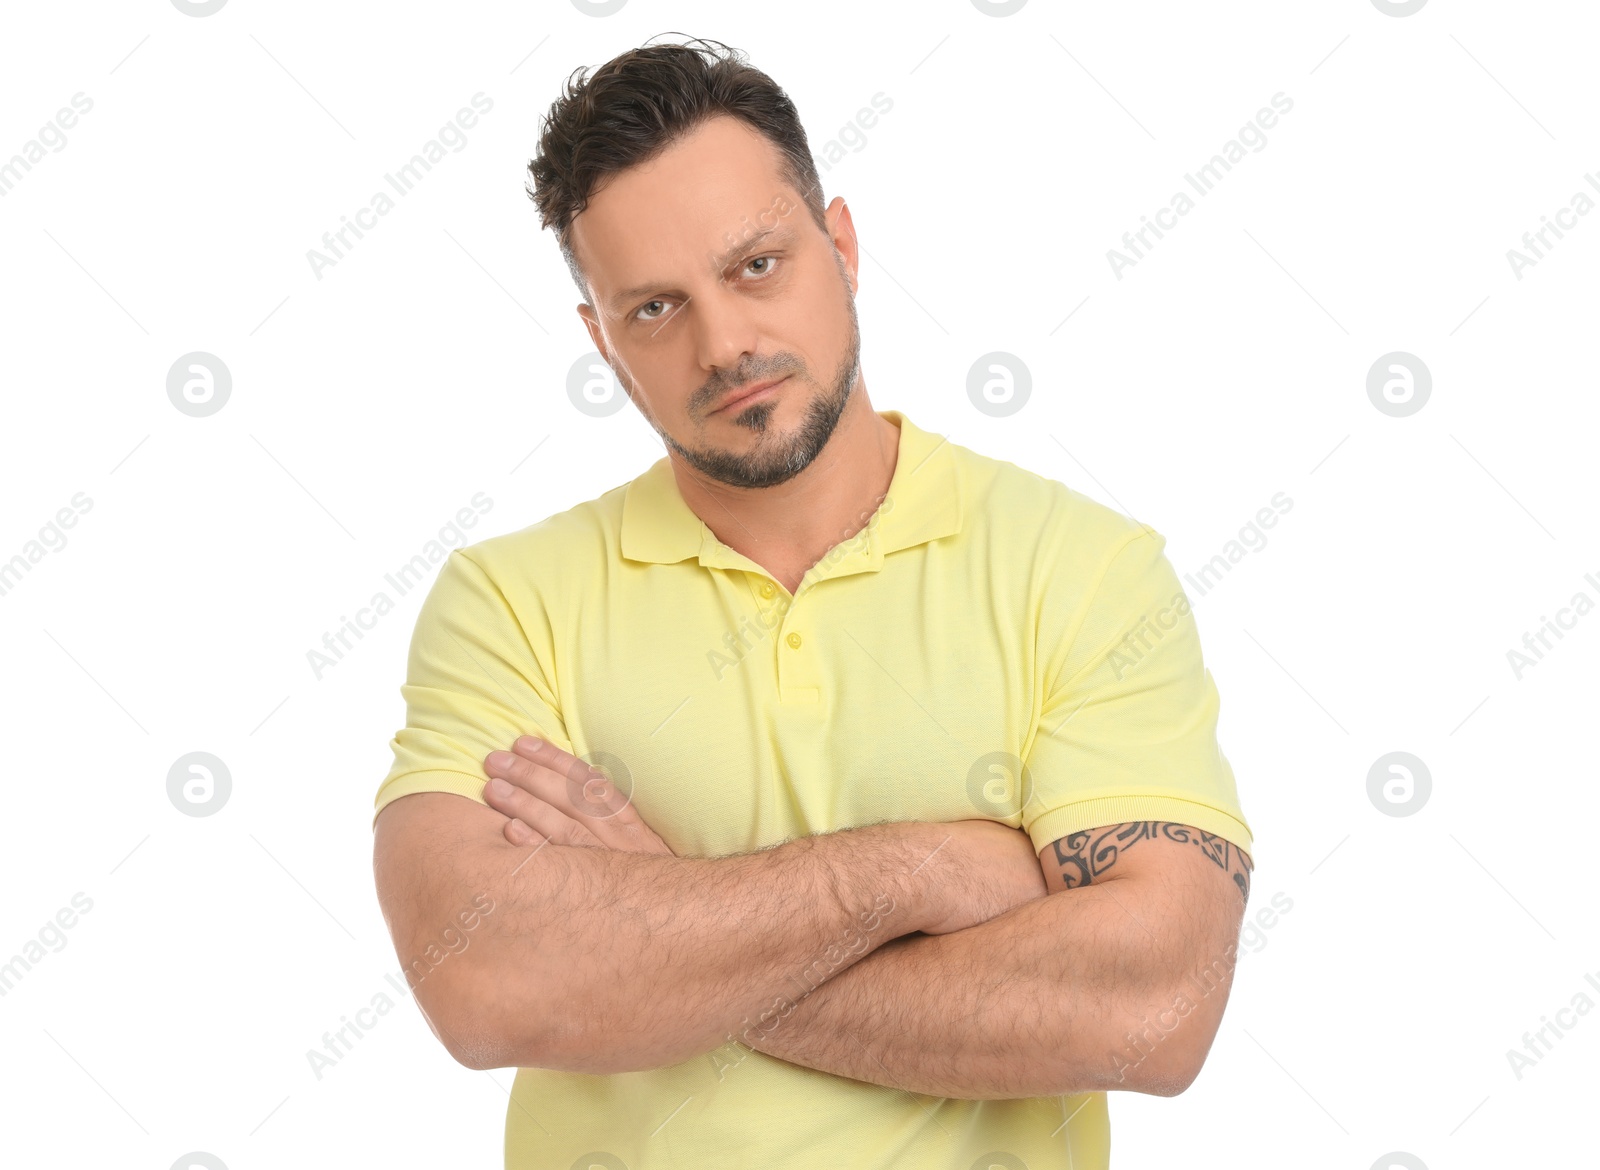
{"x":777,"y":233}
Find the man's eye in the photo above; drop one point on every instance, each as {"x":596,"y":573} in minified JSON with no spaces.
{"x":645,"y":314}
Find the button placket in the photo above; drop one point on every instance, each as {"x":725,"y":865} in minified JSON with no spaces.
{"x":796,"y":664}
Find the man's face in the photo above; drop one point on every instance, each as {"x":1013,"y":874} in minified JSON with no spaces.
{"x":708,"y":277}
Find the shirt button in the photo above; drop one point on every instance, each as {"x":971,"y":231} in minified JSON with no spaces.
{"x":794,"y":640}
{"x":767,"y":590}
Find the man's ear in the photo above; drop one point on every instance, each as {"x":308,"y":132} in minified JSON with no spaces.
{"x":842,"y":231}
{"x":596,"y":335}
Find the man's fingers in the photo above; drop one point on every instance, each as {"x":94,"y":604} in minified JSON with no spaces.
{"x":519,"y":834}
{"x":546,"y":754}
{"x":561,"y":779}
{"x":537,"y":779}
{"x":519,"y":770}
{"x":538,"y":816}
{"x":560,"y":797}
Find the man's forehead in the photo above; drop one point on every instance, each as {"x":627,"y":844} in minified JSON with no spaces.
{"x":706,"y":198}
{"x":645,"y":255}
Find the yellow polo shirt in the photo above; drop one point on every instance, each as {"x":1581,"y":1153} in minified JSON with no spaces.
{"x":985,"y":621}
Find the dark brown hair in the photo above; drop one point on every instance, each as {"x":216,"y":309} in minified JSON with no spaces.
{"x":637,"y":105}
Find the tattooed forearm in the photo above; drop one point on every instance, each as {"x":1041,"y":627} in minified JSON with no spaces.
{"x":1082,"y":857}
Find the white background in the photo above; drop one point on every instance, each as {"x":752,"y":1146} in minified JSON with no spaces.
{"x":369,"y":405}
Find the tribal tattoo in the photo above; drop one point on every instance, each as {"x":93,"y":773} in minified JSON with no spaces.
{"x":1083,"y":857}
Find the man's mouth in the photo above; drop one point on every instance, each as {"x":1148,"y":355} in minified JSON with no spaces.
{"x":759,"y":390}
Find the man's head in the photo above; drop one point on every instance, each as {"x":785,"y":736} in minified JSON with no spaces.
{"x":675,"y":179}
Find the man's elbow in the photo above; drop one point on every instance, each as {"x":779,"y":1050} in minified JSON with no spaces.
{"x":477,"y":1028}
{"x":477,"y":1048}
{"x":1170,"y":1078}
{"x":1164,"y":1054}
{"x":1182,"y":1064}
{"x":1160,"y":1073}
{"x":481,"y":1033}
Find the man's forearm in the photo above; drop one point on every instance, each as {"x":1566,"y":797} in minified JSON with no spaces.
{"x":1065,"y":994}
{"x":604,"y":962}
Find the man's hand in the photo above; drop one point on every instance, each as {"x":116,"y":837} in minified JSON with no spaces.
{"x":985,"y":868}
{"x":989,"y":867}
{"x":551,"y":795}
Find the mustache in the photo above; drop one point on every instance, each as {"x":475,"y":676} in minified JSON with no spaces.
{"x":711,"y":396}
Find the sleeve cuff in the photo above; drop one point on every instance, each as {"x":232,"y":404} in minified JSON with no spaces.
{"x":406,"y":783}
{"x":1122,"y":808}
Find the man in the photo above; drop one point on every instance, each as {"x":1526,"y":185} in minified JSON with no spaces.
{"x":853,"y":799}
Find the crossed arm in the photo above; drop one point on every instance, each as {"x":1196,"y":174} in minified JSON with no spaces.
{"x":1115,"y":978}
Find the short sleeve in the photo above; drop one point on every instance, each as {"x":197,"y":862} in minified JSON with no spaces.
{"x":1128,"y":726}
{"x":477,"y":678}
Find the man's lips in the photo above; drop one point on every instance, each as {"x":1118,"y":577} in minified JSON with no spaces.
{"x":749,"y":392}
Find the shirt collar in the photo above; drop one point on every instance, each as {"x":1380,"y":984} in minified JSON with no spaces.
{"x":923,"y":503}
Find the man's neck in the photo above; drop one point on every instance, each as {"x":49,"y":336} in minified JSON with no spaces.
{"x":788,"y":528}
